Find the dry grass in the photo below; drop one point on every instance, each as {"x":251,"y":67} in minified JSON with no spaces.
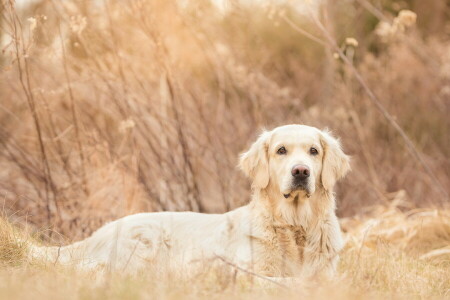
{"x":392,"y":255}
{"x":13,"y":247}
{"x":108,"y":108}
{"x":400,"y":253}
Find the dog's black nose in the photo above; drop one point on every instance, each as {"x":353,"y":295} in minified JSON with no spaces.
{"x":300,"y":171}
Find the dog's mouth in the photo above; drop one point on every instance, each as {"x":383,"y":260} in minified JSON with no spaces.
{"x":294,"y":191}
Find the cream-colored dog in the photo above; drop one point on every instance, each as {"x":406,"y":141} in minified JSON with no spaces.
{"x":288,"y":229}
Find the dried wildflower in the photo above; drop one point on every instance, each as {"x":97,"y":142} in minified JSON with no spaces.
{"x":445,"y":91}
{"x":33,"y":23}
{"x":351,"y":42}
{"x":78,"y":24}
{"x":383,"y":30}
{"x":126,"y":125}
{"x":407,"y":18}
{"x":222,"y":49}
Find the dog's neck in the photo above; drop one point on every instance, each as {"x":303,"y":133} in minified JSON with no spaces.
{"x":298,"y":211}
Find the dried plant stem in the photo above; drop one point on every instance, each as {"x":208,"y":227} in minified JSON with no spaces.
{"x":20,"y":52}
{"x":74,"y":115}
{"x":192,"y":185}
{"x":249,"y":272}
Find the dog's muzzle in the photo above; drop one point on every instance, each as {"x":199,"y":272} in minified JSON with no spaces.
{"x":300,"y":174}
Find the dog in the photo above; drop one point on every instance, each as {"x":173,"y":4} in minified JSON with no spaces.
{"x":288,"y":229}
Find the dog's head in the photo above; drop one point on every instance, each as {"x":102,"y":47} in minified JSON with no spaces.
{"x":295,"y":160}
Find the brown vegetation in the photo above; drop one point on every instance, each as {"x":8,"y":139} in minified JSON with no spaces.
{"x":108,"y":108}
{"x":112,"y":108}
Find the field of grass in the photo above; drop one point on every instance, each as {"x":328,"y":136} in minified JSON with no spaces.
{"x":388,"y":254}
{"x":109,"y":108}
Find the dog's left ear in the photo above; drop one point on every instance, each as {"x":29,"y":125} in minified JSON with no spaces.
{"x":335,"y":163}
{"x":255,"y":164}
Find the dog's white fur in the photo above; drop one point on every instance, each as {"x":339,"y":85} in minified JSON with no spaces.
{"x":272,"y":235}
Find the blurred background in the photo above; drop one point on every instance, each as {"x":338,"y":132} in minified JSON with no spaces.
{"x":109,"y":108}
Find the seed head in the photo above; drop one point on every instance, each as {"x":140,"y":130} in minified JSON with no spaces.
{"x":407,"y":18}
{"x":126,"y":125}
{"x":351,"y":42}
{"x":33,"y":23}
{"x":78,"y":24}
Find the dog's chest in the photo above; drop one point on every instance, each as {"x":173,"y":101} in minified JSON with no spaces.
{"x":291,"y":241}
{"x":282,"y":250}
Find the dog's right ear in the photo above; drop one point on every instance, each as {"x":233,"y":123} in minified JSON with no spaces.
{"x":255,"y":164}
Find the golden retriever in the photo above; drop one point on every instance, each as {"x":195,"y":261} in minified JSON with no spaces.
{"x":289,"y":228}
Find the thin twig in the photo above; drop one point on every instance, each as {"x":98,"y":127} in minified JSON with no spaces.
{"x":74,"y":115}
{"x":26,"y":86}
{"x":304,"y":32}
{"x":249,"y":272}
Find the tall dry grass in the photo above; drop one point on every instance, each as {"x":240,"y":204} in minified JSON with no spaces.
{"x":388,"y":255}
{"x":113,"y":107}
{"x":109,"y":108}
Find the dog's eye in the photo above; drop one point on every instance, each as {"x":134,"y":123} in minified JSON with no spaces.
{"x":313,"y":151}
{"x":281,"y":151}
